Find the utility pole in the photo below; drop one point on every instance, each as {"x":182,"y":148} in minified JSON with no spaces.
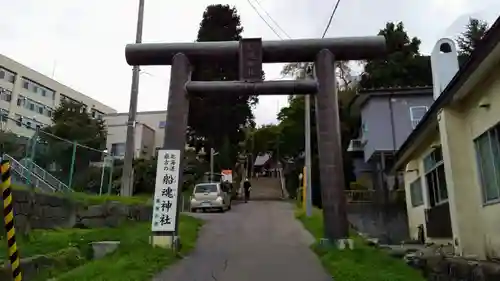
{"x":211,"y":164}
{"x":303,"y":74}
{"x":307,"y":131}
{"x":127,"y":177}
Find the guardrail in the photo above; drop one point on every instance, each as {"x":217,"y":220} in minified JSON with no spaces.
{"x":46,"y":176}
{"x":28,"y":176}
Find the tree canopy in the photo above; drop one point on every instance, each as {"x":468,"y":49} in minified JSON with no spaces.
{"x":264,"y":139}
{"x":468,"y":40}
{"x":217,"y":120}
{"x":403,"y":67}
{"x":474,"y":31}
{"x":56,"y":148}
{"x":72,"y":122}
{"x":13,"y":144}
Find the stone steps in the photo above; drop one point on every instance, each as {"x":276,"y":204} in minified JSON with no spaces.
{"x":265,"y":188}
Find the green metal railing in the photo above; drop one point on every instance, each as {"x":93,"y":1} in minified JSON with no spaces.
{"x":68,"y":165}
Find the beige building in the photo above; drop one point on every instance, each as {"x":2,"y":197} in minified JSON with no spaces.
{"x":28,"y":98}
{"x":149,"y":132}
{"x":452,"y":158}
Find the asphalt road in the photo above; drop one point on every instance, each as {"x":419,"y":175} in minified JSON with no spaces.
{"x":258,"y":241}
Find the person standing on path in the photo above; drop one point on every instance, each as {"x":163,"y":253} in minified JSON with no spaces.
{"x":246,"y":189}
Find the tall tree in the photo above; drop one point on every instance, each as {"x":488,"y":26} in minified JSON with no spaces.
{"x":71,"y":124}
{"x":468,"y":40}
{"x":13,"y":144}
{"x":403,"y":67}
{"x":220,"y":118}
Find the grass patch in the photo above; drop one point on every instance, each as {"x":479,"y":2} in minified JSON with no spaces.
{"x":361,"y":264}
{"x":64,"y":260}
{"x":135,"y":259}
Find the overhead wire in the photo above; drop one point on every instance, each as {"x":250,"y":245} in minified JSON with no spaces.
{"x":265,"y":21}
{"x":331,"y":18}
{"x":271,"y":18}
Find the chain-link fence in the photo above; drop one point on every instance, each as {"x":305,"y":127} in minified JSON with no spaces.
{"x":67,"y":165}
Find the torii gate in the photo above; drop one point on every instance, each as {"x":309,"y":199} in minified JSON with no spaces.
{"x":251,"y":53}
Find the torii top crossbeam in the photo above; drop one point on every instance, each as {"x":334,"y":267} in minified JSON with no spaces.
{"x":282,"y":51}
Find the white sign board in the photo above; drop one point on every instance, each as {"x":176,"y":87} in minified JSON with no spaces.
{"x":166,"y":191}
{"x":227,"y":175}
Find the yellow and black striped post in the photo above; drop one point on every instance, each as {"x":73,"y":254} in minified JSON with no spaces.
{"x":8,"y":216}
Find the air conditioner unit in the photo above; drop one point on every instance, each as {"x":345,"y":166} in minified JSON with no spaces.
{"x":356,"y":145}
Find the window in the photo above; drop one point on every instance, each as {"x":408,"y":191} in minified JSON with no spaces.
{"x":488,"y":157}
{"x":5,"y":95}
{"x":34,"y":106}
{"x":118,"y":149}
{"x":7,"y":75}
{"x":19,"y":119}
{"x":364,"y":128}
{"x":435,"y":177}
{"x":416,"y":195}
{"x":20,"y":101}
{"x":37,"y":88}
{"x":68,"y":99}
{"x":11,"y":77}
{"x":4,"y":114}
{"x":416,"y":114}
{"x":96,"y":114}
{"x":206,"y":188}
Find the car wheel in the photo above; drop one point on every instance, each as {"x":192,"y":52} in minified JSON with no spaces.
{"x":193,"y":210}
{"x":221,"y":210}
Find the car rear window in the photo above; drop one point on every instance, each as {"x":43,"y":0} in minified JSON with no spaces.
{"x":206,"y":188}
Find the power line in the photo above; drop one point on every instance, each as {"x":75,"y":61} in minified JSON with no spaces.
{"x":331,"y":18}
{"x":267,"y":23}
{"x":271,"y":18}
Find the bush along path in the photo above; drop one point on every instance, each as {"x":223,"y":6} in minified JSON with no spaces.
{"x":360,"y":264}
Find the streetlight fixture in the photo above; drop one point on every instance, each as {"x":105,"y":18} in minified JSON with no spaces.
{"x":212,"y":154}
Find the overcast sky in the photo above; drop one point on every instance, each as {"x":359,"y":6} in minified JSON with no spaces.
{"x":82,"y":42}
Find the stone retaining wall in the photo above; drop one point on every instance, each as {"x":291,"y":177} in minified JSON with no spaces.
{"x":48,"y":211}
{"x":389,"y":224}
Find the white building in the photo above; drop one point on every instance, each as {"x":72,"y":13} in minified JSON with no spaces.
{"x":149,"y":133}
{"x":28,"y":98}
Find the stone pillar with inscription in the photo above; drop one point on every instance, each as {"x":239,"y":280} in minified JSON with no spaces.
{"x":173,"y":145}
